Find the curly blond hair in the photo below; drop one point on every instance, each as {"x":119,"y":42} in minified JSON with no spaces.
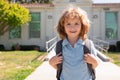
{"x":74,"y":12}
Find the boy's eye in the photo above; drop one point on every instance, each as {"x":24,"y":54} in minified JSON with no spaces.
{"x":76,"y":24}
{"x":68,"y":23}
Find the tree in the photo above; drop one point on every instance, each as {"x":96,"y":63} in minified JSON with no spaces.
{"x":12,"y":15}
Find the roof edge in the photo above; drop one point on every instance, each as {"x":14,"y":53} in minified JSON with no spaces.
{"x":37,"y":5}
{"x":106,"y":4}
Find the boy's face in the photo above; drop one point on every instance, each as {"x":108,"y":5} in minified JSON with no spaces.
{"x":72,"y":27}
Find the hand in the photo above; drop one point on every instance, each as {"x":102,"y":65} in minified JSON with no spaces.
{"x":91,"y":59}
{"x":56,"y":60}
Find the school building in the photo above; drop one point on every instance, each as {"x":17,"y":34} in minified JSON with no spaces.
{"x":103,"y":14}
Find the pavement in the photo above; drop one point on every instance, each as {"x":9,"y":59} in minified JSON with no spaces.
{"x":43,"y":72}
{"x":107,"y":71}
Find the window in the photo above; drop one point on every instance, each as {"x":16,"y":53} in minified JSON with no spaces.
{"x":17,"y":0}
{"x":34,"y":26}
{"x":15,"y":32}
{"x":111,"y":25}
{"x":72,"y":0}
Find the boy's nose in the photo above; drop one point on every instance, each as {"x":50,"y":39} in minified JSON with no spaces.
{"x":71,"y":26}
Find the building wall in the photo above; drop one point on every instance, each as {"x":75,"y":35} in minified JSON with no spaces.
{"x":96,"y":23}
{"x":49,"y":20}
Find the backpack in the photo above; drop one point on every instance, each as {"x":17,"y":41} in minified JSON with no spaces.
{"x":59,"y":66}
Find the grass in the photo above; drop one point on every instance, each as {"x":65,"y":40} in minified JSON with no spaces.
{"x":115,"y":56}
{"x":17,"y":65}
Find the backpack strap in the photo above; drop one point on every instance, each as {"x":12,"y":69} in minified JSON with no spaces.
{"x":59,"y":66}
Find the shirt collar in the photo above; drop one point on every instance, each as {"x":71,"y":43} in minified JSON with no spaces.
{"x":79,"y":42}
{"x":65,"y":42}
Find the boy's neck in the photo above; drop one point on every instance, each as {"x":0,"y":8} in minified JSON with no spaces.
{"x":72,"y":41}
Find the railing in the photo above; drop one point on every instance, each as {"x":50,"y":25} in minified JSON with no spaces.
{"x":101,"y":45}
{"x":51,"y":43}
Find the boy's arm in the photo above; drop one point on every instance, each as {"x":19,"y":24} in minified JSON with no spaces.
{"x":94,"y":62}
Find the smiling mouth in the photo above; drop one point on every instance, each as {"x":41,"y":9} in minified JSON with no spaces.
{"x":72,"y":31}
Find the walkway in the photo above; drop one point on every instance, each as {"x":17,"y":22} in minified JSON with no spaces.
{"x":105,"y":71}
{"x":43,"y":72}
